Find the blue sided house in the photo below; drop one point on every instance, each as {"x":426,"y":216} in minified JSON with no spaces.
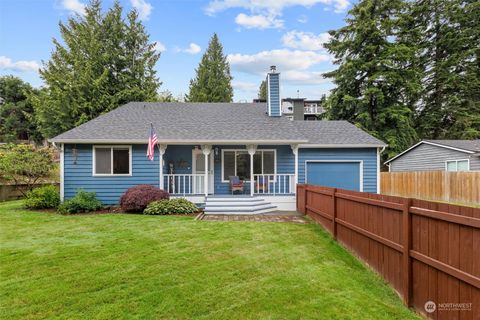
{"x":230,"y":157}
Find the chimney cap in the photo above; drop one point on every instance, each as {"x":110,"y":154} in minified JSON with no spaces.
{"x":273,"y":68}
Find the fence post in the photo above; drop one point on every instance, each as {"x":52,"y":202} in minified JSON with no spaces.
{"x":407,"y":245}
{"x":305,"y":199}
{"x":334,"y":214}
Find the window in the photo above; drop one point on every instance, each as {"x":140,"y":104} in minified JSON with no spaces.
{"x":457,"y":165}
{"x":237,"y":163}
{"x":109,"y":161}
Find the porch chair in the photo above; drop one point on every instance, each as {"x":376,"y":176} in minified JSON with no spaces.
{"x":236,"y":184}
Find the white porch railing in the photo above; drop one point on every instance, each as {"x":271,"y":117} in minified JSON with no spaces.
{"x":274,"y":184}
{"x":184,"y":184}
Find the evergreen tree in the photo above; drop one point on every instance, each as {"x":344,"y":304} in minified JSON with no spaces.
{"x":446,"y":34}
{"x":106,"y":61}
{"x":16,"y":111}
{"x":262,"y":90}
{"x":212,"y":82}
{"x":374,"y":81}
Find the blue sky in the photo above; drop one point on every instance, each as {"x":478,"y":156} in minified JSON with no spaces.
{"x":255,"y":34}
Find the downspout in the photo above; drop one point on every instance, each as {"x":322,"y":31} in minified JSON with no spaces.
{"x":379,"y":152}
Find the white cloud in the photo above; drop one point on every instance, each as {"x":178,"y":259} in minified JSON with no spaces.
{"x":293,"y":65}
{"x":258,"y":21}
{"x":22,"y":66}
{"x":284,"y":59}
{"x":302,"y":19}
{"x":74,"y":6}
{"x":160,"y":47}
{"x":143,"y":7}
{"x":305,"y":40}
{"x":304,"y":77}
{"x":245,"y":86}
{"x":274,"y":7}
{"x":193,"y":48}
{"x":341,"y":5}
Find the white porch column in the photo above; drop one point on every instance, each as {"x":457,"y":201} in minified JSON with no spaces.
{"x":295,"y":153}
{"x":251,"y":148}
{"x":206,"y":149}
{"x":161,"y":149}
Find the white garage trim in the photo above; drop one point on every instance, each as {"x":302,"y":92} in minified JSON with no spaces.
{"x":341,"y":161}
{"x":62,"y":172}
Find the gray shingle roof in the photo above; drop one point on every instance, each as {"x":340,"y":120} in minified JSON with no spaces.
{"x":469,"y":145}
{"x":335,"y":132}
{"x":210,"y":122}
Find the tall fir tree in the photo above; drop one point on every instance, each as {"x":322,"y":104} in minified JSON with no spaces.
{"x":105,"y":61}
{"x":262,"y":90}
{"x":212,"y":82}
{"x":374,"y":83}
{"x":446,"y":34}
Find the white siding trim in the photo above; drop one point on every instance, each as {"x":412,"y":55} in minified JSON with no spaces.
{"x":343,"y":161}
{"x":378,"y":170}
{"x":62,"y":172}
{"x":340,"y":146}
{"x":94,"y":174}
{"x":181,"y":141}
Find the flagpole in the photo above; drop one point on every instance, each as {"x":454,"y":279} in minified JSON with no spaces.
{"x":160,"y":162}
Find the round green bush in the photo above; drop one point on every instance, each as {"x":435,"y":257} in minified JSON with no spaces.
{"x":43,"y":198}
{"x":172,"y":206}
{"x":82,"y":202}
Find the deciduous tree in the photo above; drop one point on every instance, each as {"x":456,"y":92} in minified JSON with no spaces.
{"x":17,"y":121}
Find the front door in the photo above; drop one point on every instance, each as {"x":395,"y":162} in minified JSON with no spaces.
{"x":198,"y":168}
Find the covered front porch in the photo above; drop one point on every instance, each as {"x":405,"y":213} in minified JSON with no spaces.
{"x":204,"y":170}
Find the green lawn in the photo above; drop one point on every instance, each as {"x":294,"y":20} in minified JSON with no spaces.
{"x":120,"y":266}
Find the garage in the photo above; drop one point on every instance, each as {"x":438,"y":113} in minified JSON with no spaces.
{"x":335,"y":174}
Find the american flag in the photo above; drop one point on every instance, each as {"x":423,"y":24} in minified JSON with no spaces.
{"x":152,"y":142}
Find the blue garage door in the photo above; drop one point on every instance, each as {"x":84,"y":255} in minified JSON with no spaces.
{"x":344,"y":175}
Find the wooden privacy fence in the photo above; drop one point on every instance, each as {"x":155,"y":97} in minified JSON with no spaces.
{"x":427,"y":251}
{"x":459,"y":187}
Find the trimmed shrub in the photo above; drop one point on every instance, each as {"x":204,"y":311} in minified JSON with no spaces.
{"x":43,"y":198}
{"x":172,"y":206}
{"x":137,"y":198}
{"x":82,"y":202}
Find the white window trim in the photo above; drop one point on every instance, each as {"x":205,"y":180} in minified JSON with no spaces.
{"x":343,"y":161}
{"x":94,"y":169}
{"x":245,"y":150}
{"x":456,"y":163}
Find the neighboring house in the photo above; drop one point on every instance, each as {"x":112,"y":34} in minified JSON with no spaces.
{"x":203,"y":144}
{"x":434,"y":155}
{"x":302,"y":109}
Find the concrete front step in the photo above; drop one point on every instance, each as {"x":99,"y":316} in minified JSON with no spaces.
{"x":241,"y":212}
{"x":234,"y":209}
{"x":233,"y":199}
{"x":237,"y":205}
